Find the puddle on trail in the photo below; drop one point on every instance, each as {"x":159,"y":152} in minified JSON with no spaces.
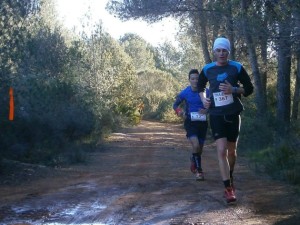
{"x":86,"y":202}
{"x":52,"y":215}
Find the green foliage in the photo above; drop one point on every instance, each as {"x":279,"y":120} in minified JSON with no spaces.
{"x":166,"y":112}
{"x":47,"y":119}
{"x":67,"y":92}
{"x":281,"y":162}
{"x":260,"y":129}
{"x":140,"y":52}
{"x":45,"y":51}
{"x":169,"y":58}
{"x":11,"y":37}
{"x":191,"y":53}
{"x":156,"y":87}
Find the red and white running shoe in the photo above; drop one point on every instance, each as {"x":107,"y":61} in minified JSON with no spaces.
{"x":229,"y":195}
{"x":199,"y":176}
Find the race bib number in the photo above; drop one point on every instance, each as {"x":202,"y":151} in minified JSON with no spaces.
{"x":222,"y":99}
{"x":196,"y":116}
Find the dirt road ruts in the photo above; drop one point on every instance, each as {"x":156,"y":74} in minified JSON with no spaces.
{"x":141,"y":176}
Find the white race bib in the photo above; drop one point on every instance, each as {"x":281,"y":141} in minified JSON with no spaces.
{"x":222,"y":99}
{"x":196,"y":116}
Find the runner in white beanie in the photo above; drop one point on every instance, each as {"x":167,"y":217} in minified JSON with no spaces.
{"x":227,"y":80}
{"x":222,"y":43}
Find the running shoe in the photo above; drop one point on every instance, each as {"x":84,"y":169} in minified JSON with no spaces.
{"x":229,"y":195}
{"x":199,"y":176}
{"x":193,"y":165}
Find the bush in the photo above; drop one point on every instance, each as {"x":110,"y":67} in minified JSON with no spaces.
{"x":281,"y":162}
{"x":262,"y":130}
{"x":166,"y":112}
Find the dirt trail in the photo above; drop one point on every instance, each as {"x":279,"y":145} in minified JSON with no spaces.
{"x":141,"y":176}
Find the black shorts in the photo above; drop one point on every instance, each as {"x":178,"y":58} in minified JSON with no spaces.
{"x":196,"y":128}
{"x":225,"y":126}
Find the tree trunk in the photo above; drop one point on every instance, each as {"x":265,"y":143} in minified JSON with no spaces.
{"x":284,"y":78}
{"x":296,"y":100}
{"x":260,"y":98}
{"x":203,"y":33}
{"x":230,"y":28}
{"x":264,"y":69}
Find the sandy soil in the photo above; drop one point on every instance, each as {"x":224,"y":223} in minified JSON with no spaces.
{"x":141,"y":176}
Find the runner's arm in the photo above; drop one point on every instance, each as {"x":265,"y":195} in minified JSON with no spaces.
{"x":202,"y":81}
{"x":247,"y":88}
{"x":177,"y":109}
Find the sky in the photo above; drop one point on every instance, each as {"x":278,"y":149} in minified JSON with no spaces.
{"x":70,"y":12}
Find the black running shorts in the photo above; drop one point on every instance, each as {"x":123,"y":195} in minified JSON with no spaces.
{"x":196,"y":128}
{"x":225,"y":126}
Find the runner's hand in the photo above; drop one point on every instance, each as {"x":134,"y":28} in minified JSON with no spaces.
{"x":226,"y":87}
{"x":206,"y":102}
{"x":203,"y":111}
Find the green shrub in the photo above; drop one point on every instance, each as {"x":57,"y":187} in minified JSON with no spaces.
{"x":281,"y":162}
{"x":256,"y":133}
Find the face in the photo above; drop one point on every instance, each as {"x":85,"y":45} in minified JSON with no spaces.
{"x":194,"y":80}
{"x":221,"y":56}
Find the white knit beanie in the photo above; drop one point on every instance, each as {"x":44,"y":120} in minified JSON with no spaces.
{"x":222,"y":43}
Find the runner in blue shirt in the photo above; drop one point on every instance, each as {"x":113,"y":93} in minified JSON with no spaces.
{"x":195,"y":121}
{"x":228,"y":80}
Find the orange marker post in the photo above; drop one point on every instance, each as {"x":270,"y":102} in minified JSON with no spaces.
{"x":11,"y":104}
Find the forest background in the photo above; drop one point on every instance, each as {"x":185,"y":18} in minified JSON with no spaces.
{"x":70,"y":88}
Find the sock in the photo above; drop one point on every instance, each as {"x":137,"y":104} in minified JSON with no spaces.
{"x":227,"y":183}
{"x":231,"y":177}
{"x":197,"y":160}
